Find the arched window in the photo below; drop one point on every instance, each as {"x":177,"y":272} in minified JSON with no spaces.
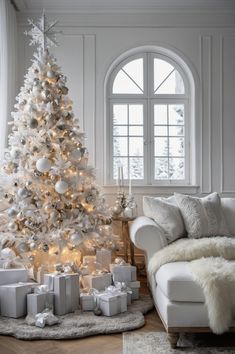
{"x":148,"y":117}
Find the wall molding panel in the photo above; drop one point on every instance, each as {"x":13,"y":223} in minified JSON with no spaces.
{"x":206,"y":103}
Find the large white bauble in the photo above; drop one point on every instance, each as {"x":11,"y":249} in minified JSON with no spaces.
{"x":61,"y":187}
{"x":15,"y":153}
{"x":7,"y":253}
{"x":76,"y":154}
{"x":22,"y":193}
{"x":12,"y":211}
{"x":76,"y":238}
{"x":43,"y":164}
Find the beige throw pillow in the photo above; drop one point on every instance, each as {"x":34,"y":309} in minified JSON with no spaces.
{"x":167,"y":216}
{"x":202,"y":216}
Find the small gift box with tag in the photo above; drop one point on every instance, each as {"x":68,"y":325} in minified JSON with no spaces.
{"x":87,"y":301}
{"x":112,"y":301}
{"x":40,"y":300}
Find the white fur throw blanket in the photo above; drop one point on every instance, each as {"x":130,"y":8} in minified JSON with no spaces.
{"x":213,"y":268}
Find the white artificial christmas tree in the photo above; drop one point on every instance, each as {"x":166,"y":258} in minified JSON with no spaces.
{"x":56,"y":210}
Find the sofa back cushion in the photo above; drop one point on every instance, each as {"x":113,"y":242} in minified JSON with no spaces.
{"x":202,"y":216}
{"x":166,"y":214}
{"x":228,"y":207}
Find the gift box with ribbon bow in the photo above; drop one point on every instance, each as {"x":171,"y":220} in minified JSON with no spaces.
{"x":112,"y":301}
{"x":66,"y":290}
{"x":40,"y":300}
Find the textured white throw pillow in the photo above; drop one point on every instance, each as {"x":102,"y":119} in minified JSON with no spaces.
{"x":202,"y":216}
{"x":167,"y":216}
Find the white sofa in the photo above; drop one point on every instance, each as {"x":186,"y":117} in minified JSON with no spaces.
{"x":178,"y":299}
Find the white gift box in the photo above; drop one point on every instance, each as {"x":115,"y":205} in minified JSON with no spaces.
{"x":36,"y":303}
{"x":104,"y":258}
{"x":112,"y":304}
{"x":135,"y":286}
{"x":40,"y":274}
{"x":98,"y":282}
{"x":66,"y":290}
{"x":87,"y":302}
{"x":13,"y":298}
{"x":123,"y":273}
{"x":12,"y":276}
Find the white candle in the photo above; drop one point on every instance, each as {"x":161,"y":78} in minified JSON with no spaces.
{"x":121,"y":175}
{"x":118,"y":176}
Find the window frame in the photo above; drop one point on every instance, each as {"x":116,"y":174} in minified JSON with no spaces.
{"x":149,"y":98}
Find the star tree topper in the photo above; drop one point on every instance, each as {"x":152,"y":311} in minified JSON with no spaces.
{"x":42,"y":33}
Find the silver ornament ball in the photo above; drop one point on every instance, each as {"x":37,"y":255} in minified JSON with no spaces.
{"x":43,"y":164}
{"x":61,"y":187}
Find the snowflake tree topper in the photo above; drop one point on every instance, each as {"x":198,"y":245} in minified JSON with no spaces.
{"x":42,"y":32}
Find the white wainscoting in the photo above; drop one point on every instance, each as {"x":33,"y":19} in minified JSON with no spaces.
{"x":87,"y":51}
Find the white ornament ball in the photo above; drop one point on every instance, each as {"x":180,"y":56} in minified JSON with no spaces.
{"x":12,"y":211}
{"x":12,"y":226}
{"x":33,"y":246}
{"x":7,"y":253}
{"x":61,"y":187}
{"x":15,"y":153}
{"x":76,"y":238}
{"x":22,"y":193}
{"x":76,"y":154}
{"x":50,"y":74}
{"x":43,"y":164}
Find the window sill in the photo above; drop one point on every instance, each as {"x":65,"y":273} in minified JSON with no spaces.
{"x":154,"y":189}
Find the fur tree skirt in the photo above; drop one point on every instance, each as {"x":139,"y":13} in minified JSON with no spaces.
{"x":80,"y":324}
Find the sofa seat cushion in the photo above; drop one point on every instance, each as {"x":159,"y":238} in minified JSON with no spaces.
{"x":176,"y":282}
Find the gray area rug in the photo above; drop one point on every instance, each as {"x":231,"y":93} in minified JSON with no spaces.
{"x":80,"y":324}
{"x":157,"y":343}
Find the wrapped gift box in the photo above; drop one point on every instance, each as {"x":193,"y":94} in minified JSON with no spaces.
{"x":98,"y":282}
{"x":112,"y":304}
{"x":12,"y":276}
{"x":13,"y":299}
{"x":123,"y":273}
{"x":36,"y":303}
{"x":66,"y":290}
{"x":135,"y":286}
{"x":104,"y":258}
{"x":87,"y":302}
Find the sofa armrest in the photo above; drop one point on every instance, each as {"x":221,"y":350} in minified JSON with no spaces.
{"x":147,"y":235}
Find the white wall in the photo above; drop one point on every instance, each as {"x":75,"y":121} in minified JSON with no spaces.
{"x":89,"y":45}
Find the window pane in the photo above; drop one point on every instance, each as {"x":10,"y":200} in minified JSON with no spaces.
{"x":176,"y":114}
{"x":160,"y":114}
{"x":120,"y":114}
{"x":136,"y":114}
{"x":119,"y":130}
{"x":161,"y":146}
{"x":120,"y":161}
{"x":136,"y":130}
{"x":161,"y":168}
{"x":119,"y":146}
{"x":176,"y":146}
{"x":160,"y":130}
{"x":136,"y":146}
{"x":176,"y":168}
{"x":167,"y":80}
{"x":136,"y":168}
{"x":176,"y":130}
{"x":135,"y":70}
{"x":130,"y":79}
